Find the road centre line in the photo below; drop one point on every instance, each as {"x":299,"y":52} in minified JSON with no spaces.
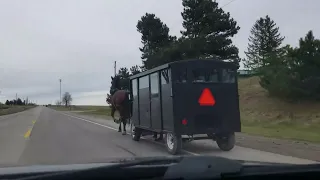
{"x":86,"y":120}
{"x":28,"y":133}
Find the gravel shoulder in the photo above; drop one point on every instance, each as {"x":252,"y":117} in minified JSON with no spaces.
{"x":293,"y":148}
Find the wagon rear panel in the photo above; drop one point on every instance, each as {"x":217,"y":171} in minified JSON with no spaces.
{"x":195,"y":111}
{"x":223,"y":116}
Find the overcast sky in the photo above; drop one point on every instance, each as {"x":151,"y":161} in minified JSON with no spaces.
{"x":78,"y":40}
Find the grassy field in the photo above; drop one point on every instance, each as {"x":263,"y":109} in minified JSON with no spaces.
{"x":100,"y":111}
{"x":272,"y":117}
{"x":4,"y":110}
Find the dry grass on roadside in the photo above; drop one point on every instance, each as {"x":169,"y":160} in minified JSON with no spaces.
{"x":4,"y":110}
{"x":268,"y":116}
{"x":101,"y":111}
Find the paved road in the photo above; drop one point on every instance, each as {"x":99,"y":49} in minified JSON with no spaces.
{"x":65,"y":138}
{"x":14,"y":132}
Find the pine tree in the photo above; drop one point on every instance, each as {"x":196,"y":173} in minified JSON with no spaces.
{"x":124,"y":78}
{"x":208,"y":30}
{"x":305,"y":65}
{"x":154,"y":36}
{"x":135,"y":70}
{"x":264,"y":44}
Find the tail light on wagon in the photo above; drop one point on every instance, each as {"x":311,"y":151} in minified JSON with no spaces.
{"x":184,"y":122}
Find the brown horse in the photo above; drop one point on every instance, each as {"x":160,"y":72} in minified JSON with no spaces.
{"x":120,"y":102}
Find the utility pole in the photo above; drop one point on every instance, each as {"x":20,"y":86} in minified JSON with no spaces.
{"x":115,"y":68}
{"x":60,"y":91}
{"x":16,"y":96}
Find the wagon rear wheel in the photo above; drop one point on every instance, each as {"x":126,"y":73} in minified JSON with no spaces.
{"x":135,"y":132}
{"x":226,"y":142}
{"x":173,"y":143}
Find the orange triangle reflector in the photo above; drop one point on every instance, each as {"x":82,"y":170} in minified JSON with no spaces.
{"x":206,"y":98}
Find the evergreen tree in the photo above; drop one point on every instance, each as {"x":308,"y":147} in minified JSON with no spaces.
{"x":264,"y":44}
{"x":305,"y":67}
{"x":135,"y":70}
{"x":19,"y":102}
{"x":123,"y":75}
{"x":208,"y":30}
{"x":124,"y":78}
{"x":154,"y":36}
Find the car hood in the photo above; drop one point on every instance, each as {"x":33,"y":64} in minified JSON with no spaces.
{"x":49,"y":168}
{"x":70,"y":167}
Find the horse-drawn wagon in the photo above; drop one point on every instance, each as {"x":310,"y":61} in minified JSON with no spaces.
{"x":187,"y":100}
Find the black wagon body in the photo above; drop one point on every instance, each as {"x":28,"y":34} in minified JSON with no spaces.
{"x":185,"y":99}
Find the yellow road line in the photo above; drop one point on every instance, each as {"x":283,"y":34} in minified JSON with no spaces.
{"x":28,"y":133}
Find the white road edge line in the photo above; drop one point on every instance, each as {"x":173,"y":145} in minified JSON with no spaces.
{"x":86,"y":120}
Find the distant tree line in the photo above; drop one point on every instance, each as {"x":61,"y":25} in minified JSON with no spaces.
{"x":284,"y":71}
{"x":18,"y":102}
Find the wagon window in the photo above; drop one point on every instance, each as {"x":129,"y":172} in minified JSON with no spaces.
{"x":182,"y":76}
{"x":228,"y":76}
{"x":165,"y":76}
{"x":144,"y":82}
{"x":134,"y":88}
{"x":154,"y":78}
{"x":205,"y":76}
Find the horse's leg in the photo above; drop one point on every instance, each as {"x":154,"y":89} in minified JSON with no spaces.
{"x":113,"y":110}
{"x":119,"y":130}
{"x":124,"y":123}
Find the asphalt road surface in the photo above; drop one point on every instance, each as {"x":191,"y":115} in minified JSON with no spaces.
{"x":45,"y":136}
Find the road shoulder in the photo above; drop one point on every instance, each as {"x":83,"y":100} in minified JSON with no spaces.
{"x":293,"y":148}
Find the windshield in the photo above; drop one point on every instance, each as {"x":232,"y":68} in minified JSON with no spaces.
{"x":102,"y":81}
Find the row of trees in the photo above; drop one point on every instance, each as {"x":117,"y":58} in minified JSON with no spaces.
{"x":18,"y":102}
{"x":287,"y":72}
{"x":283,"y":70}
{"x":207,"y":33}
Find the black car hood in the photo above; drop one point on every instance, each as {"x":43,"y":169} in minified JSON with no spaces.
{"x":69,"y":167}
{"x":49,"y":168}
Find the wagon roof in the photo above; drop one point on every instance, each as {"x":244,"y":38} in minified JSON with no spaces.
{"x":164,"y":66}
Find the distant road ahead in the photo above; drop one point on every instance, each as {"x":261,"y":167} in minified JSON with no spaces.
{"x":65,"y":138}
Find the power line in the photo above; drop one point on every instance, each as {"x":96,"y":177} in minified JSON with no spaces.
{"x":227,"y":3}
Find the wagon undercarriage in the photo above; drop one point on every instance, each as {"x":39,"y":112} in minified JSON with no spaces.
{"x":174,"y":142}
